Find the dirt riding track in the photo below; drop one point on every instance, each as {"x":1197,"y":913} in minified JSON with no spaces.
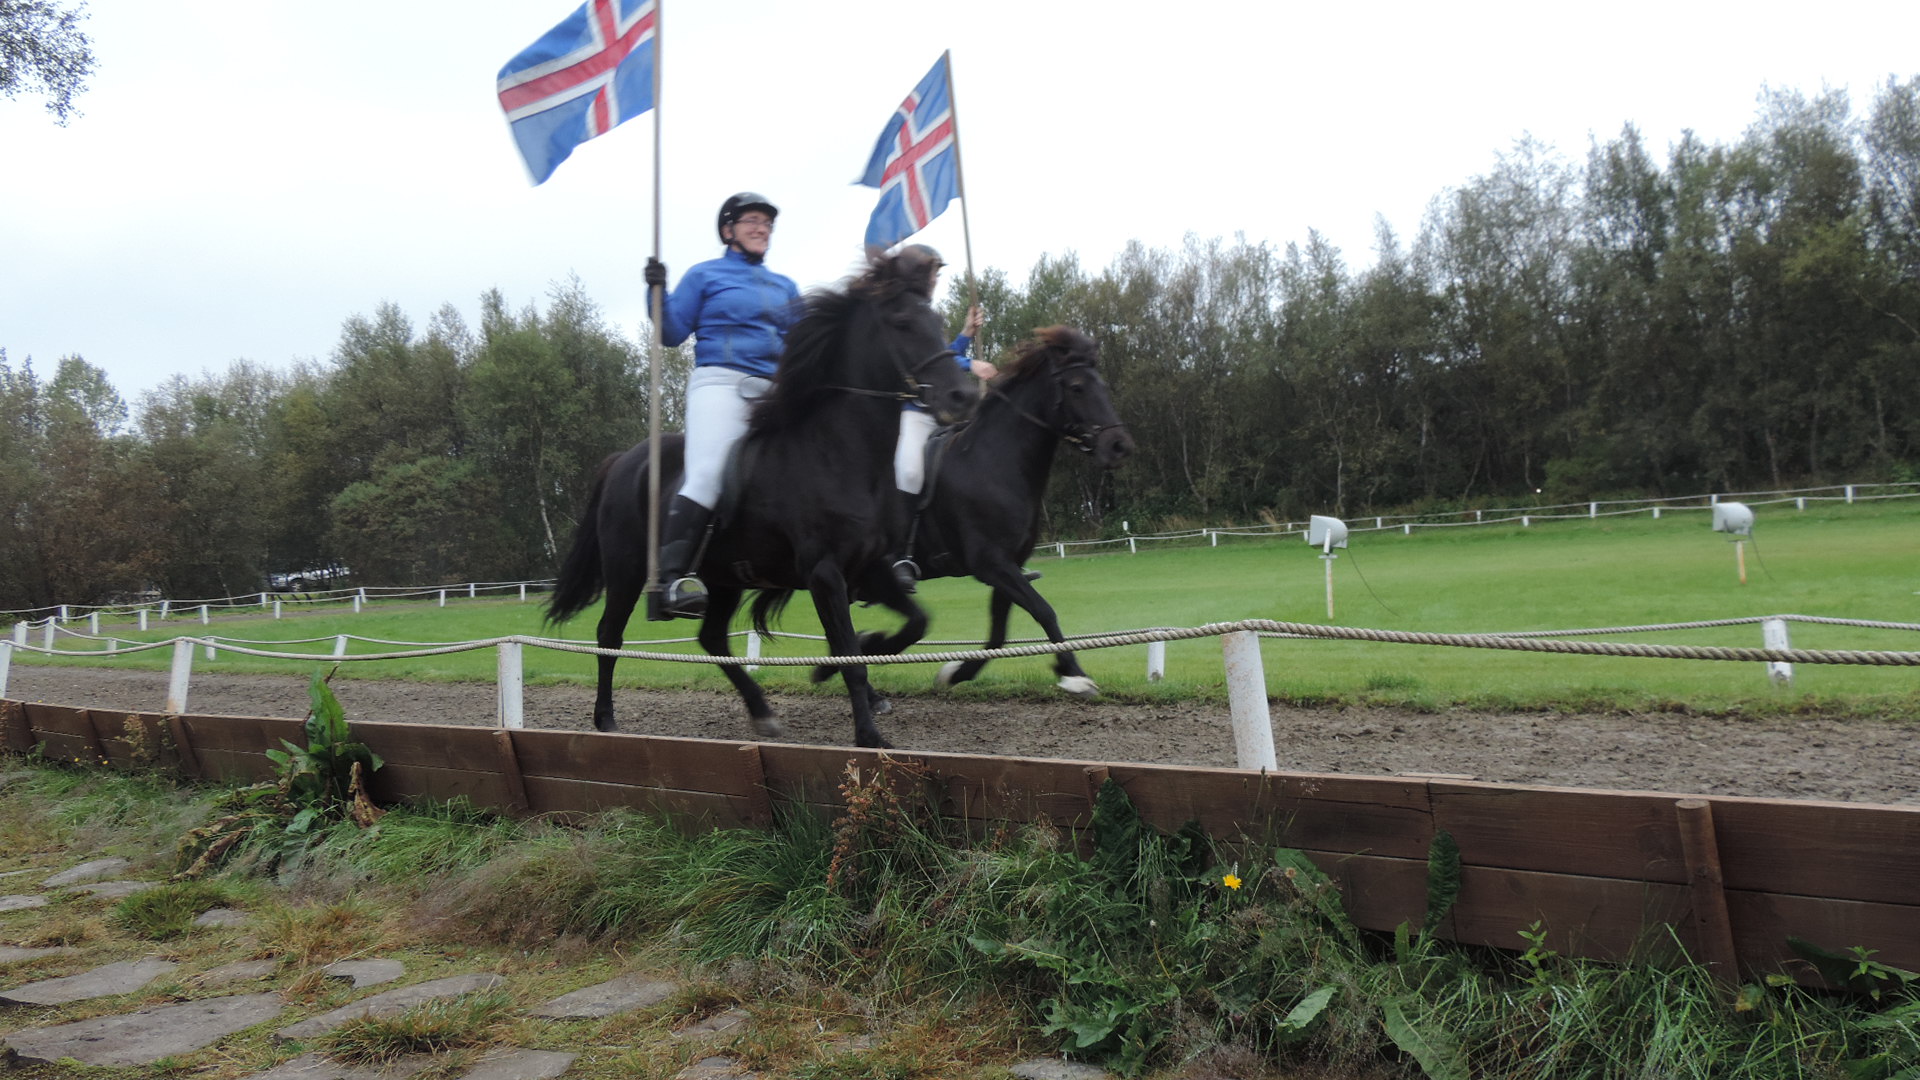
{"x":1801,"y":758}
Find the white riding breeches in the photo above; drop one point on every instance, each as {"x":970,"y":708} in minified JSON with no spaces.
{"x":718,"y":401}
{"x":909,"y":454}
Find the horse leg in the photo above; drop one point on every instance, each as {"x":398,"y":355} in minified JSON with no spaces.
{"x":959,"y":671}
{"x":721,"y":604}
{"x":623,"y":591}
{"x":1007,"y":581}
{"x":829,"y":589}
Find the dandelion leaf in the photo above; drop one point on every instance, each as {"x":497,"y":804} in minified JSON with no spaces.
{"x":1436,"y":1052}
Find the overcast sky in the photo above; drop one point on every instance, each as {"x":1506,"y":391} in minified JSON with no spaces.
{"x":247,"y":175}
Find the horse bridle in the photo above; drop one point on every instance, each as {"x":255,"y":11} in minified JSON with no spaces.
{"x":914,"y":390}
{"x":1082,"y":438}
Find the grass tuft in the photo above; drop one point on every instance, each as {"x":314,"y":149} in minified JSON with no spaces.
{"x":167,"y":911}
{"x":431,"y":1027}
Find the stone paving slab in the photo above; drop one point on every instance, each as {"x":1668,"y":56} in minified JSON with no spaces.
{"x":365,"y":972}
{"x":316,"y":1067}
{"x":16,"y":873}
{"x":139,"y":1038}
{"x":86,"y":871}
{"x":122,"y":978}
{"x":622,"y":994}
{"x":13,"y":954}
{"x":21,"y":902}
{"x":717,"y":1024}
{"x":1055,"y":1069}
{"x":221,"y":916}
{"x":241,"y":971}
{"x":390,"y":1002}
{"x":522,"y":1065}
{"x":715,"y":1068}
{"x":113,"y":890}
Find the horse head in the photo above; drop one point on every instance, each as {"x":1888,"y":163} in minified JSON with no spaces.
{"x":1080,"y":408}
{"x":877,"y":336}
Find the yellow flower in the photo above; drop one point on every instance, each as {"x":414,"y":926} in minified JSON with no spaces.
{"x":1231,"y":881}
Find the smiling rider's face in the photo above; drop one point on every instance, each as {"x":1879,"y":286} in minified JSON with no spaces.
{"x":751,"y":233}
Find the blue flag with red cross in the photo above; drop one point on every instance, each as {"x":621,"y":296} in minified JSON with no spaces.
{"x":581,"y":79}
{"x":916,"y":162}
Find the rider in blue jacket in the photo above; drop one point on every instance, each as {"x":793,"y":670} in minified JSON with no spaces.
{"x":738,"y":313}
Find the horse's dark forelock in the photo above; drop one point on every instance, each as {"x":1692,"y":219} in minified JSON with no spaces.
{"x":1073,"y":345}
{"x":816,"y":340}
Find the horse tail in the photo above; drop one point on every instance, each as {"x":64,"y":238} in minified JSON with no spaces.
{"x":767,"y":606}
{"x":580,"y":581}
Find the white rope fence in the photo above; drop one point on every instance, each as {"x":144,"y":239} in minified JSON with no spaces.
{"x":1246,"y":678}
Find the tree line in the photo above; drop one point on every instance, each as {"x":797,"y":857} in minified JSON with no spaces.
{"x":1731,"y":315}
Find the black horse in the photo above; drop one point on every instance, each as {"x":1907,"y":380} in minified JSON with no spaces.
{"x":812,"y":504}
{"x":989,"y":477}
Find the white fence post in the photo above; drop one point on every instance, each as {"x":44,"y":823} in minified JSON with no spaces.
{"x":1525,"y":521}
{"x":276,"y":609}
{"x":6,"y":662}
{"x":1849,"y":494}
{"x":340,"y":645}
{"x":1800,"y":503}
{"x":212,"y":652}
{"x":1132,"y":548}
{"x":523,"y":592}
{"x":1774,"y":636}
{"x":1407,"y":529}
{"x":143,"y":618}
{"x":1213,"y":536}
{"x":1247,"y":699}
{"x":1593,"y":510}
{"x":1063,"y":550}
{"x":1156,"y":661}
{"x":47,"y":642}
{"x":206,"y":617}
{"x":1656,"y":513}
{"x":263,"y":600}
{"x":165,"y":606}
{"x":472,"y":589}
{"x":511,"y":684}
{"x":93,"y":623}
{"x":356,"y":601}
{"x":20,"y":633}
{"x":177,"y":681}
{"x":443,"y":598}
{"x":753,"y":649}
{"x":64,"y":616}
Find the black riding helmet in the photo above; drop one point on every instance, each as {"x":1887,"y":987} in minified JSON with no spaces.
{"x":923,"y":264}
{"x":737,"y":205}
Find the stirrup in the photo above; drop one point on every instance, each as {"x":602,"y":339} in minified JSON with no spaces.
{"x":1030,"y":575}
{"x":906,"y":572}
{"x":677,"y":601}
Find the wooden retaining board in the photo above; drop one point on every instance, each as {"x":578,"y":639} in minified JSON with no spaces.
{"x":1601,"y":872}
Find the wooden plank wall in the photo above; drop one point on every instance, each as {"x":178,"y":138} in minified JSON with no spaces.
{"x":1605,"y":873}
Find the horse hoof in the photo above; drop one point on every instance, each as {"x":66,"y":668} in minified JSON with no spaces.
{"x":881,"y":706}
{"x":605,"y":723}
{"x":876,"y":741}
{"x":822,"y":672}
{"x":947,"y":671}
{"x":1079,"y":685}
{"x":766,"y":727}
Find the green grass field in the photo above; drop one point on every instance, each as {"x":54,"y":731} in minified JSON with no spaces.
{"x":1860,"y":561}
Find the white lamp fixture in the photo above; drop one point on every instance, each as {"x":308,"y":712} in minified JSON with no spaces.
{"x":1736,"y":520}
{"x":1327,"y":533}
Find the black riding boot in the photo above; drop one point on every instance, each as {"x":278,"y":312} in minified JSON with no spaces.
{"x":681,"y":595}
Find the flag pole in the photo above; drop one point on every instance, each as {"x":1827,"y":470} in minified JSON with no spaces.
{"x":960,"y":181}
{"x":655,"y":301}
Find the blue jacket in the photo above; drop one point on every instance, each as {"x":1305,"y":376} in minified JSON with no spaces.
{"x":737,"y":312}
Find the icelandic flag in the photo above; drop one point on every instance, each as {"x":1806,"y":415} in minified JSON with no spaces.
{"x":581,"y":79}
{"x":914,"y":164}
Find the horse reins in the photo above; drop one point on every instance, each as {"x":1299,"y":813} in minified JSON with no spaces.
{"x":1083,"y":439}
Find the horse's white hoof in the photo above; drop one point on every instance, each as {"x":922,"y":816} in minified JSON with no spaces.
{"x":1079,"y":684}
{"x":769,"y":728}
{"x":947,"y":671}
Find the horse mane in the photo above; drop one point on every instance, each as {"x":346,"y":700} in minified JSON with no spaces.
{"x":1025,"y":362}
{"x":815,"y":343}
